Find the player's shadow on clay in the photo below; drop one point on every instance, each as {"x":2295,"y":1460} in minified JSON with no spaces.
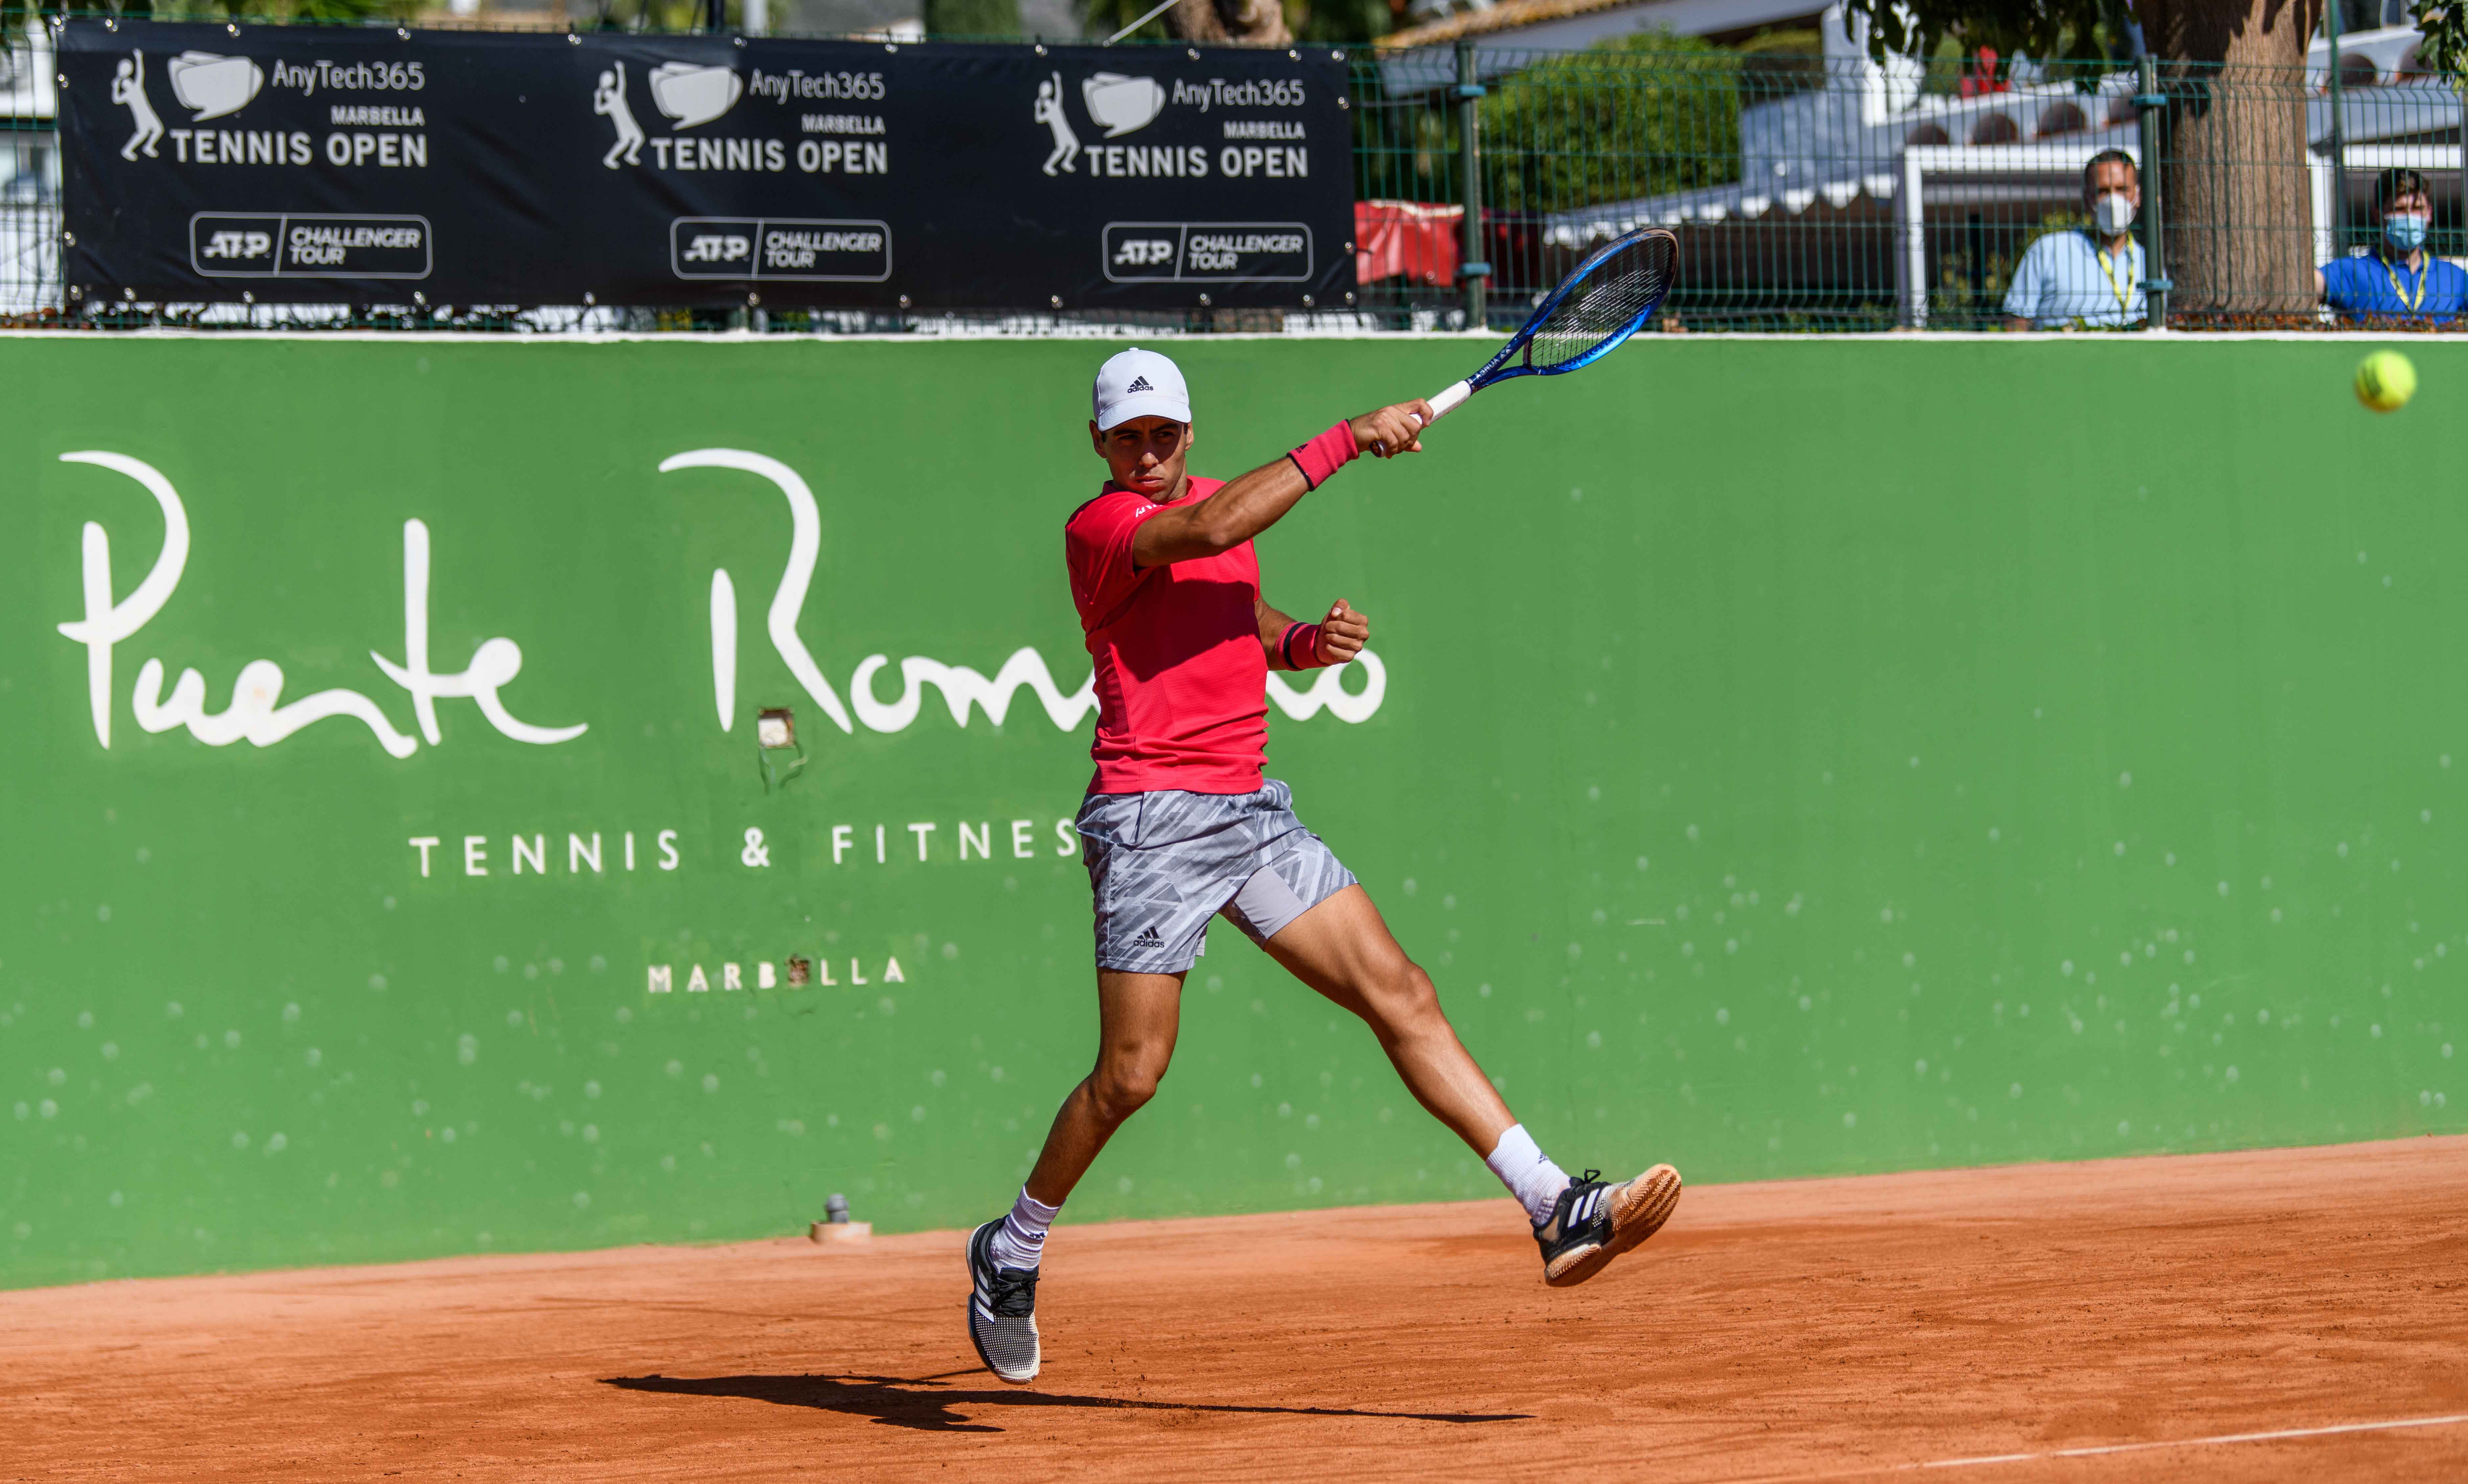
{"x":924,"y":1403}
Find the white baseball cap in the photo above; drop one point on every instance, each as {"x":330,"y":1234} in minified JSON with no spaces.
{"x":1139,"y":383}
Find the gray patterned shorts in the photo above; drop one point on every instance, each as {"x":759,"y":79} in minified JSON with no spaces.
{"x":1161,"y":864}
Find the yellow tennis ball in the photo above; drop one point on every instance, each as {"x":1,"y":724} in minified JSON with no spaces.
{"x":2385,"y":381}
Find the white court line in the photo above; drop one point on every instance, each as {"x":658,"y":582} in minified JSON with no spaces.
{"x":2279,"y":1435}
{"x":2214,"y":1441}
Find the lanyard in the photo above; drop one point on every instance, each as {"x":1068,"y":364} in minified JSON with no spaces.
{"x":2400,"y":293}
{"x":2123,"y":287}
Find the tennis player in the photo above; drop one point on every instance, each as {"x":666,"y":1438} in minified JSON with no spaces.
{"x":1180,"y":825}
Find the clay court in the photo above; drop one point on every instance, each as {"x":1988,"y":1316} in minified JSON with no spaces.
{"x":1978,"y":1324}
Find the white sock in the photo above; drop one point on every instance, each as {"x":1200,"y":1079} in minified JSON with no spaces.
{"x":1020,"y":1241}
{"x":1528,"y":1173}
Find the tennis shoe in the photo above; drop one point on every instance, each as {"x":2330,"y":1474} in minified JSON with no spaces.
{"x":1594,"y":1222}
{"x":1002,"y":1311}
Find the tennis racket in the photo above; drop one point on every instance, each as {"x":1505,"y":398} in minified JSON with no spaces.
{"x":1605,"y":300}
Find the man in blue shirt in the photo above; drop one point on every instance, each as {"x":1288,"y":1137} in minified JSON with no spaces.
{"x":2399,"y":282}
{"x":2089,"y":276}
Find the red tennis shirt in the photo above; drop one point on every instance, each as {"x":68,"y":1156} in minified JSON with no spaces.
{"x":1182,"y":699}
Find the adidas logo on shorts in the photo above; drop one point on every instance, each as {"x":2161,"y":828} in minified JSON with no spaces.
{"x":1148,"y":938}
{"x":1139,"y":384}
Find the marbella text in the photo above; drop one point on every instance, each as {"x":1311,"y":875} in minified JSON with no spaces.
{"x":601,"y":855}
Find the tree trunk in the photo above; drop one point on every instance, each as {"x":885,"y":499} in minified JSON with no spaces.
{"x":2235,"y":196}
{"x":1229,"y":22}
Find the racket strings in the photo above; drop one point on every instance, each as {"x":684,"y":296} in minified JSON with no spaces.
{"x":1606,"y":301}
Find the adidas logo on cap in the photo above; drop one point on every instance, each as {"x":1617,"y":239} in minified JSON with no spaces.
{"x":1139,"y":383}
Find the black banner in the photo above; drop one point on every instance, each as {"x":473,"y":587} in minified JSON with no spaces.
{"x":366,"y":165}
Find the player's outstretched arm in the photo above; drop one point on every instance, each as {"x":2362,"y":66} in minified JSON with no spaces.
{"x":1253,"y":503}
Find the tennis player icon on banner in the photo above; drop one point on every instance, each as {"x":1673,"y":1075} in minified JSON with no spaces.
{"x":128,"y":87}
{"x":1049,"y":112}
{"x":608,"y":100}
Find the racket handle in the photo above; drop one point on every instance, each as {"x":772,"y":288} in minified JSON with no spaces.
{"x":1442,"y":405}
{"x":1449,"y":401}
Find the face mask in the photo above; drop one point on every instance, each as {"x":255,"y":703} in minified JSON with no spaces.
{"x":2112,"y":213}
{"x":2405,"y":231}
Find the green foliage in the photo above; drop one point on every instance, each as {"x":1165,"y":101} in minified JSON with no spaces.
{"x":1776,"y":62}
{"x":648,"y":16}
{"x":1954,"y":302}
{"x":1328,"y":22}
{"x":2024,"y":27}
{"x":1942,"y":72}
{"x":279,"y":11}
{"x":1636,"y":116}
{"x":2445,"y":24}
{"x":1102,"y":18}
{"x":973,"y":17}
{"x":1338,"y":22}
{"x":2033,"y":27}
{"x":353,"y":10}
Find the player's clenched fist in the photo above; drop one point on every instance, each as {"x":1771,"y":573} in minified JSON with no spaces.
{"x":1392,"y":430}
{"x":1343,"y":635}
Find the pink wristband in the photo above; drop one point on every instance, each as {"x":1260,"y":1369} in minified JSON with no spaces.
{"x":1325,"y":454}
{"x":1309,"y":634}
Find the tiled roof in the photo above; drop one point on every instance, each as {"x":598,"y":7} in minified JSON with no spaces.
{"x":1507,"y":16}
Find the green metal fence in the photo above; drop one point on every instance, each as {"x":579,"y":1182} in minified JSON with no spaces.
{"x":1811,"y":189}
{"x":1828,"y":192}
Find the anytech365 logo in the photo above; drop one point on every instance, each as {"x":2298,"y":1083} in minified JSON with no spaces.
{"x":688,"y":95}
{"x":209,"y":87}
{"x":691,"y":95}
{"x":1118,"y":104}
{"x":212,"y":86}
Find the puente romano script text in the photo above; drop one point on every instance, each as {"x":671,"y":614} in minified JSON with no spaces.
{"x":256,"y":711}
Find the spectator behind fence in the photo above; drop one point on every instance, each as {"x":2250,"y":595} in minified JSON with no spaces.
{"x":2399,"y":281}
{"x":2088,"y":276}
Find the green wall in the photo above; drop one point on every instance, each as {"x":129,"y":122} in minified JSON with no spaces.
{"x":1793,"y":757}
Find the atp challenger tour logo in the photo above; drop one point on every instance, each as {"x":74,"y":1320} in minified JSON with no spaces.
{"x":257,"y":713}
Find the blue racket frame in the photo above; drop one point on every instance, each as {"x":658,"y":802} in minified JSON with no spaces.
{"x":1453,"y":395}
{"x":1497,"y":369}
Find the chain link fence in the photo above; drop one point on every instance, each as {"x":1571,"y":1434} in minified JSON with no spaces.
{"x":1826,"y":192}
{"x":1812,"y":189}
